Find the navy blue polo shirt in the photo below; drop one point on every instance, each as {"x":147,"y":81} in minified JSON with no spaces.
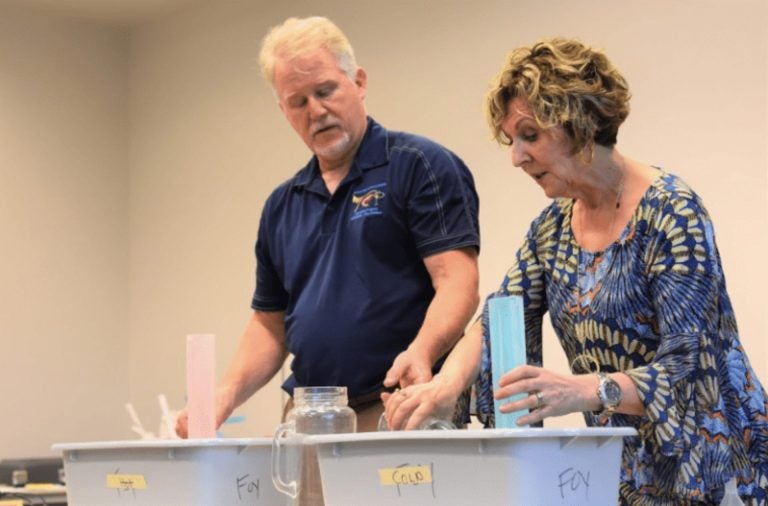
{"x":348,"y":268}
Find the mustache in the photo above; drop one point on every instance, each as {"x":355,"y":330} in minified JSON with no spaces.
{"x":322,"y":125}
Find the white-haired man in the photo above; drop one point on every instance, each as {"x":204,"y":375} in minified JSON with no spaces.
{"x":366,"y":257}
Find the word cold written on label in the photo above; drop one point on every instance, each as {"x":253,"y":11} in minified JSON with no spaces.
{"x":407,"y":475}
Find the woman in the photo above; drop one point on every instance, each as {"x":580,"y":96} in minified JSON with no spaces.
{"x":624,"y":260}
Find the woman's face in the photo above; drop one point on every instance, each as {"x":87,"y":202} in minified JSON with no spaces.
{"x":544,"y":154}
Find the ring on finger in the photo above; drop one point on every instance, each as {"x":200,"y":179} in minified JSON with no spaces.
{"x":539,"y":400}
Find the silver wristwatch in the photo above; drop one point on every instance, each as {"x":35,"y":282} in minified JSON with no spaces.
{"x":609,"y":393}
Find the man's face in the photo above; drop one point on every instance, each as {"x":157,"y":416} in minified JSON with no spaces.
{"x":323,"y":105}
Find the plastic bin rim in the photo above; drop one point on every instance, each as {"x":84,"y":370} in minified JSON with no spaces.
{"x":475,"y":434}
{"x":163,"y":443}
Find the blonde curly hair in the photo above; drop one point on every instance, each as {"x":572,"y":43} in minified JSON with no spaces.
{"x":567,"y":84}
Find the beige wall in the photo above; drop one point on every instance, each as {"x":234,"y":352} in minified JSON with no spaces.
{"x":198,"y":181}
{"x":63,"y":230}
{"x":206,"y":144}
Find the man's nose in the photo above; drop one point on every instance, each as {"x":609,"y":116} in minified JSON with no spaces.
{"x":316,"y":108}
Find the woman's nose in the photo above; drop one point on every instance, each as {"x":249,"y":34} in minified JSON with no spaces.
{"x":519,"y":154}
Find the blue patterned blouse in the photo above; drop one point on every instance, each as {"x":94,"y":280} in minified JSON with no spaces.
{"x":653,"y":305}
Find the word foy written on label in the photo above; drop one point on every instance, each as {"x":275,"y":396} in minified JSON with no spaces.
{"x":246,"y":486}
{"x":573,"y":481}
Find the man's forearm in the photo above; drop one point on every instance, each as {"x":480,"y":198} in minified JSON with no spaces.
{"x":260,"y":354}
{"x":455,"y":278}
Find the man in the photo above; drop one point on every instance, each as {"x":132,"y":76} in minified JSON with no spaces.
{"x":367,"y":257}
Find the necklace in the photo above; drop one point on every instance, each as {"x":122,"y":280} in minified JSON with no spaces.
{"x":585,"y":363}
{"x":616,"y":207}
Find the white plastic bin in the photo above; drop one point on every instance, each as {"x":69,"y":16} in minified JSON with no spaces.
{"x":495,"y":467}
{"x":204,"y":472}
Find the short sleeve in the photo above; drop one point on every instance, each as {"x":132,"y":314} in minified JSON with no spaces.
{"x":442,"y":202}
{"x":269,"y":294}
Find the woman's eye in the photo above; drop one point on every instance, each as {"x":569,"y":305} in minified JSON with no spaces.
{"x":530,"y":137}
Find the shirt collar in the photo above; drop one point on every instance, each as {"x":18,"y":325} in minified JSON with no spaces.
{"x":373,"y":152}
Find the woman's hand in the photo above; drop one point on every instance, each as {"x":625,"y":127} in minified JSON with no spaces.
{"x":547,"y":393}
{"x":408,"y":407}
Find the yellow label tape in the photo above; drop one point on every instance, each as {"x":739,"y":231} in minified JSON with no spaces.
{"x":410,"y":475}
{"x":11,"y":502}
{"x":42,"y":486}
{"x":126,"y":481}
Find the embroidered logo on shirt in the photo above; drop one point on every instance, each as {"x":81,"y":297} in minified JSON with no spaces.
{"x":366,"y":201}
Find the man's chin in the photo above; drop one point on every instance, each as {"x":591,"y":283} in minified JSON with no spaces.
{"x":332,"y":151}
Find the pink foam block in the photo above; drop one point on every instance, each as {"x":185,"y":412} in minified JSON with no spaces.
{"x":201,"y":384}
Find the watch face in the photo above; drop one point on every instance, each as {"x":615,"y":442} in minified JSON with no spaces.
{"x":610,"y":391}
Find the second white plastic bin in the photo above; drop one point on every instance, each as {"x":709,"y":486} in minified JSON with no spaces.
{"x":541,"y":467}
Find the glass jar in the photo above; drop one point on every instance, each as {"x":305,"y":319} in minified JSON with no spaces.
{"x":316,"y":410}
{"x":322,"y":410}
{"x":429,"y":423}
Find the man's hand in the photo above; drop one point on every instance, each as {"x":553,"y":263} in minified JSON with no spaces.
{"x":409,"y":368}
{"x":225,"y":405}
{"x":454,"y":277}
{"x":407,"y":408}
{"x":259,"y":355}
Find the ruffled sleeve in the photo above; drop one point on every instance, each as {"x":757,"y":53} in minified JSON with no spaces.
{"x":681,"y":262}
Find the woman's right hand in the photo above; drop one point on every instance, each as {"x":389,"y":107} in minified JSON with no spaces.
{"x":407,"y":408}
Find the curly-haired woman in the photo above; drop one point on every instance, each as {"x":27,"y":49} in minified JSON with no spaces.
{"x":624,"y":260}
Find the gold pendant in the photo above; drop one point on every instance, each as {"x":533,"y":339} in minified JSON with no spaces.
{"x":584,"y":364}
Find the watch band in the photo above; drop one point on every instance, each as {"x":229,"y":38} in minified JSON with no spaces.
{"x":609,"y":394}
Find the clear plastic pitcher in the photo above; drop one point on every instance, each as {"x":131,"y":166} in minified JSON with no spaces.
{"x":316,"y":410}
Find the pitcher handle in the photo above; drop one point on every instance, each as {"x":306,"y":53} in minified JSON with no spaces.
{"x":284,"y":430}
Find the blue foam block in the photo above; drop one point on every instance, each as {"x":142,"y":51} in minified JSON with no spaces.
{"x":507,"y":348}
